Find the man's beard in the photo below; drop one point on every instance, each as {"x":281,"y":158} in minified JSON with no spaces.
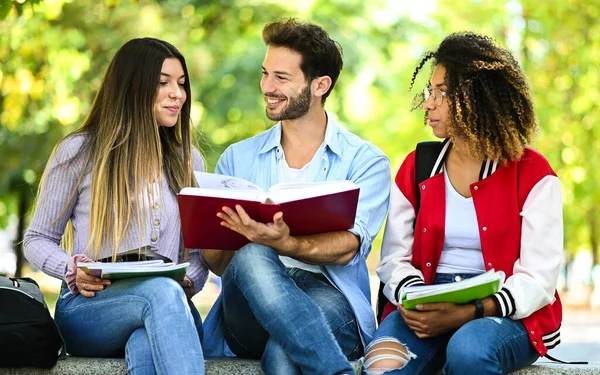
{"x":297,"y":107}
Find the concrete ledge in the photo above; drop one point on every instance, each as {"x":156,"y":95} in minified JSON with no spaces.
{"x":236,"y":366}
{"x":116,"y":366}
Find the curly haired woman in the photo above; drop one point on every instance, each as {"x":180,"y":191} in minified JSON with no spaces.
{"x":491,"y":203}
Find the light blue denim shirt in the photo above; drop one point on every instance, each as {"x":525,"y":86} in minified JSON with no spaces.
{"x":346,"y":157}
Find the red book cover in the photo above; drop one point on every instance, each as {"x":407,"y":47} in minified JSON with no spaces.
{"x":332,"y":211}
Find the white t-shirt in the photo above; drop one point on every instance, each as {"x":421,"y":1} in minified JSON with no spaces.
{"x":462,"y":246}
{"x":306,"y":173}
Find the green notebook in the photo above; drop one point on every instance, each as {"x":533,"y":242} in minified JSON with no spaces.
{"x":127,"y":270}
{"x":467,"y":290}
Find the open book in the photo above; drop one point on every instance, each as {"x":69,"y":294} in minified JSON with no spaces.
{"x":467,"y":290}
{"x":308,"y":208}
{"x":126,"y":270}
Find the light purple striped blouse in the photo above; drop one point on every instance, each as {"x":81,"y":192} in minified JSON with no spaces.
{"x":161,"y":229}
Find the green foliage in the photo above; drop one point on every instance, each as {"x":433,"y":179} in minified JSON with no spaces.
{"x":53,"y":55}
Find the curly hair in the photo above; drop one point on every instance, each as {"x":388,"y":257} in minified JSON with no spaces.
{"x":490,"y":105}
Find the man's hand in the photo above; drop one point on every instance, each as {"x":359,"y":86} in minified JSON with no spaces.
{"x":434,"y":319}
{"x":88,"y":285}
{"x":275,"y":234}
{"x":188,"y":287}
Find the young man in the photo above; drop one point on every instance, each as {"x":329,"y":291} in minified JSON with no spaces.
{"x":302,"y":304}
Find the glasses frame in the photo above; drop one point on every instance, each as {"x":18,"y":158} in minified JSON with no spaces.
{"x":430,"y":92}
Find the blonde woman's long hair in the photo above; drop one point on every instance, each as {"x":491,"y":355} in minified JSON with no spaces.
{"x":126,"y":148}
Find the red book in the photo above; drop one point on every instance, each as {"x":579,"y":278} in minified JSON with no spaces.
{"x":308,"y":208}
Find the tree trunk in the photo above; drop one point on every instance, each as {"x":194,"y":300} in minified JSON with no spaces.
{"x":18,"y":243}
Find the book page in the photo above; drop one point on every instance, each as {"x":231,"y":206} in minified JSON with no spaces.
{"x":292,"y":191}
{"x":221,"y":186}
{"x":418,"y":291}
{"x":219,"y":181}
{"x":132,"y":267}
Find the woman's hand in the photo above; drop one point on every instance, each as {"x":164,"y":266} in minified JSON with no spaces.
{"x":88,"y":285}
{"x":188,"y":287}
{"x":434,"y":319}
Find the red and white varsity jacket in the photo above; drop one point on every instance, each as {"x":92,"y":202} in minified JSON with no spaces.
{"x":519,"y":213}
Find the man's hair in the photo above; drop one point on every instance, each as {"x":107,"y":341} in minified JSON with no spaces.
{"x":321,"y":55}
{"x":491,"y":109}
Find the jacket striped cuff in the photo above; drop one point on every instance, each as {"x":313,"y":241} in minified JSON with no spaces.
{"x":408,"y":281}
{"x":551,"y":339}
{"x":505,"y":302}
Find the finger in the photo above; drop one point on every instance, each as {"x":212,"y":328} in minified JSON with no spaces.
{"x":185,"y":284}
{"x":84,"y":277}
{"x":232,"y":227}
{"x":408,"y":314}
{"x":434,"y":306}
{"x":416,"y":326}
{"x":246,"y":220}
{"x":226,"y":216}
{"x":278,"y":221}
{"x":232,"y":214}
{"x":93,"y":287}
{"x":87,"y":293}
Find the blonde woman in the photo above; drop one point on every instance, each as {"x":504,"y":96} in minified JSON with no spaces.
{"x":110,"y":188}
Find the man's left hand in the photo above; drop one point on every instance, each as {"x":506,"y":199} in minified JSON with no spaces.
{"x":275,"y":234}
{"x":434,"y":319}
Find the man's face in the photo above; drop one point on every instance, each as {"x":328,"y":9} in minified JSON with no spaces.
{"x":287,"y":94}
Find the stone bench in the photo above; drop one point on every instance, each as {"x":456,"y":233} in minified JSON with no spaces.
{"x":114,"y":366}
{"x":235,"y":366}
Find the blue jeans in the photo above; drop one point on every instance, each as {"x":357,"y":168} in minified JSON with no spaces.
{"x":147,"y":320}
{"x":482,"y":346}
{"x":295,"y":320}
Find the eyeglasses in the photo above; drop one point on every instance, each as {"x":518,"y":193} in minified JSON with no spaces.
{"x":437,"y":94}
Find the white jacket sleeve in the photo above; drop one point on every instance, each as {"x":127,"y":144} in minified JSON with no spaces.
{"x":535,"y":273}
{"x":395,"y":269}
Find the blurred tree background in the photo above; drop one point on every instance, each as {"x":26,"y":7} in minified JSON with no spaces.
{"x":53,"y":54}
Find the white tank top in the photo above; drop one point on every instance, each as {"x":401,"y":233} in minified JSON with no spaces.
{"x":462,"y":246}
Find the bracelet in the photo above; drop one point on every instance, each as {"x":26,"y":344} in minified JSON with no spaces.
{"x":478,"y":308}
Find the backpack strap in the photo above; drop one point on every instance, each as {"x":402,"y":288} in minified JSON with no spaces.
{"x":428,"y":162}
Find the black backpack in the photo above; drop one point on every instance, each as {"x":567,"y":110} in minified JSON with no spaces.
{"x":426,"y":155}
{"x":28,"y":335}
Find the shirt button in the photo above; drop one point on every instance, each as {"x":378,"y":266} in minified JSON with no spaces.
{"x":424,"y":230}
{"x":423,"y":187}
{"x":475,"y":187}
{"x":156,"y":206}
{"x":156,"y":221}
{"x":532,"y":332}
{"x":484,"y":229}
{"x":428,"y":264}
{"x":154,"y":238}
{"x":535,"y":343}
{"x":457,"y":278}
{"x":490,"y":264}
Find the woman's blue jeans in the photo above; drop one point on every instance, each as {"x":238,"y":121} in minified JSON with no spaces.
{"x":295,"y":320}
{"x":149,"y":320}
{"x":482,"y":346}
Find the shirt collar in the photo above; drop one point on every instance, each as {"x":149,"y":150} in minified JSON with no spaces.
{"x":331,"y":141}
